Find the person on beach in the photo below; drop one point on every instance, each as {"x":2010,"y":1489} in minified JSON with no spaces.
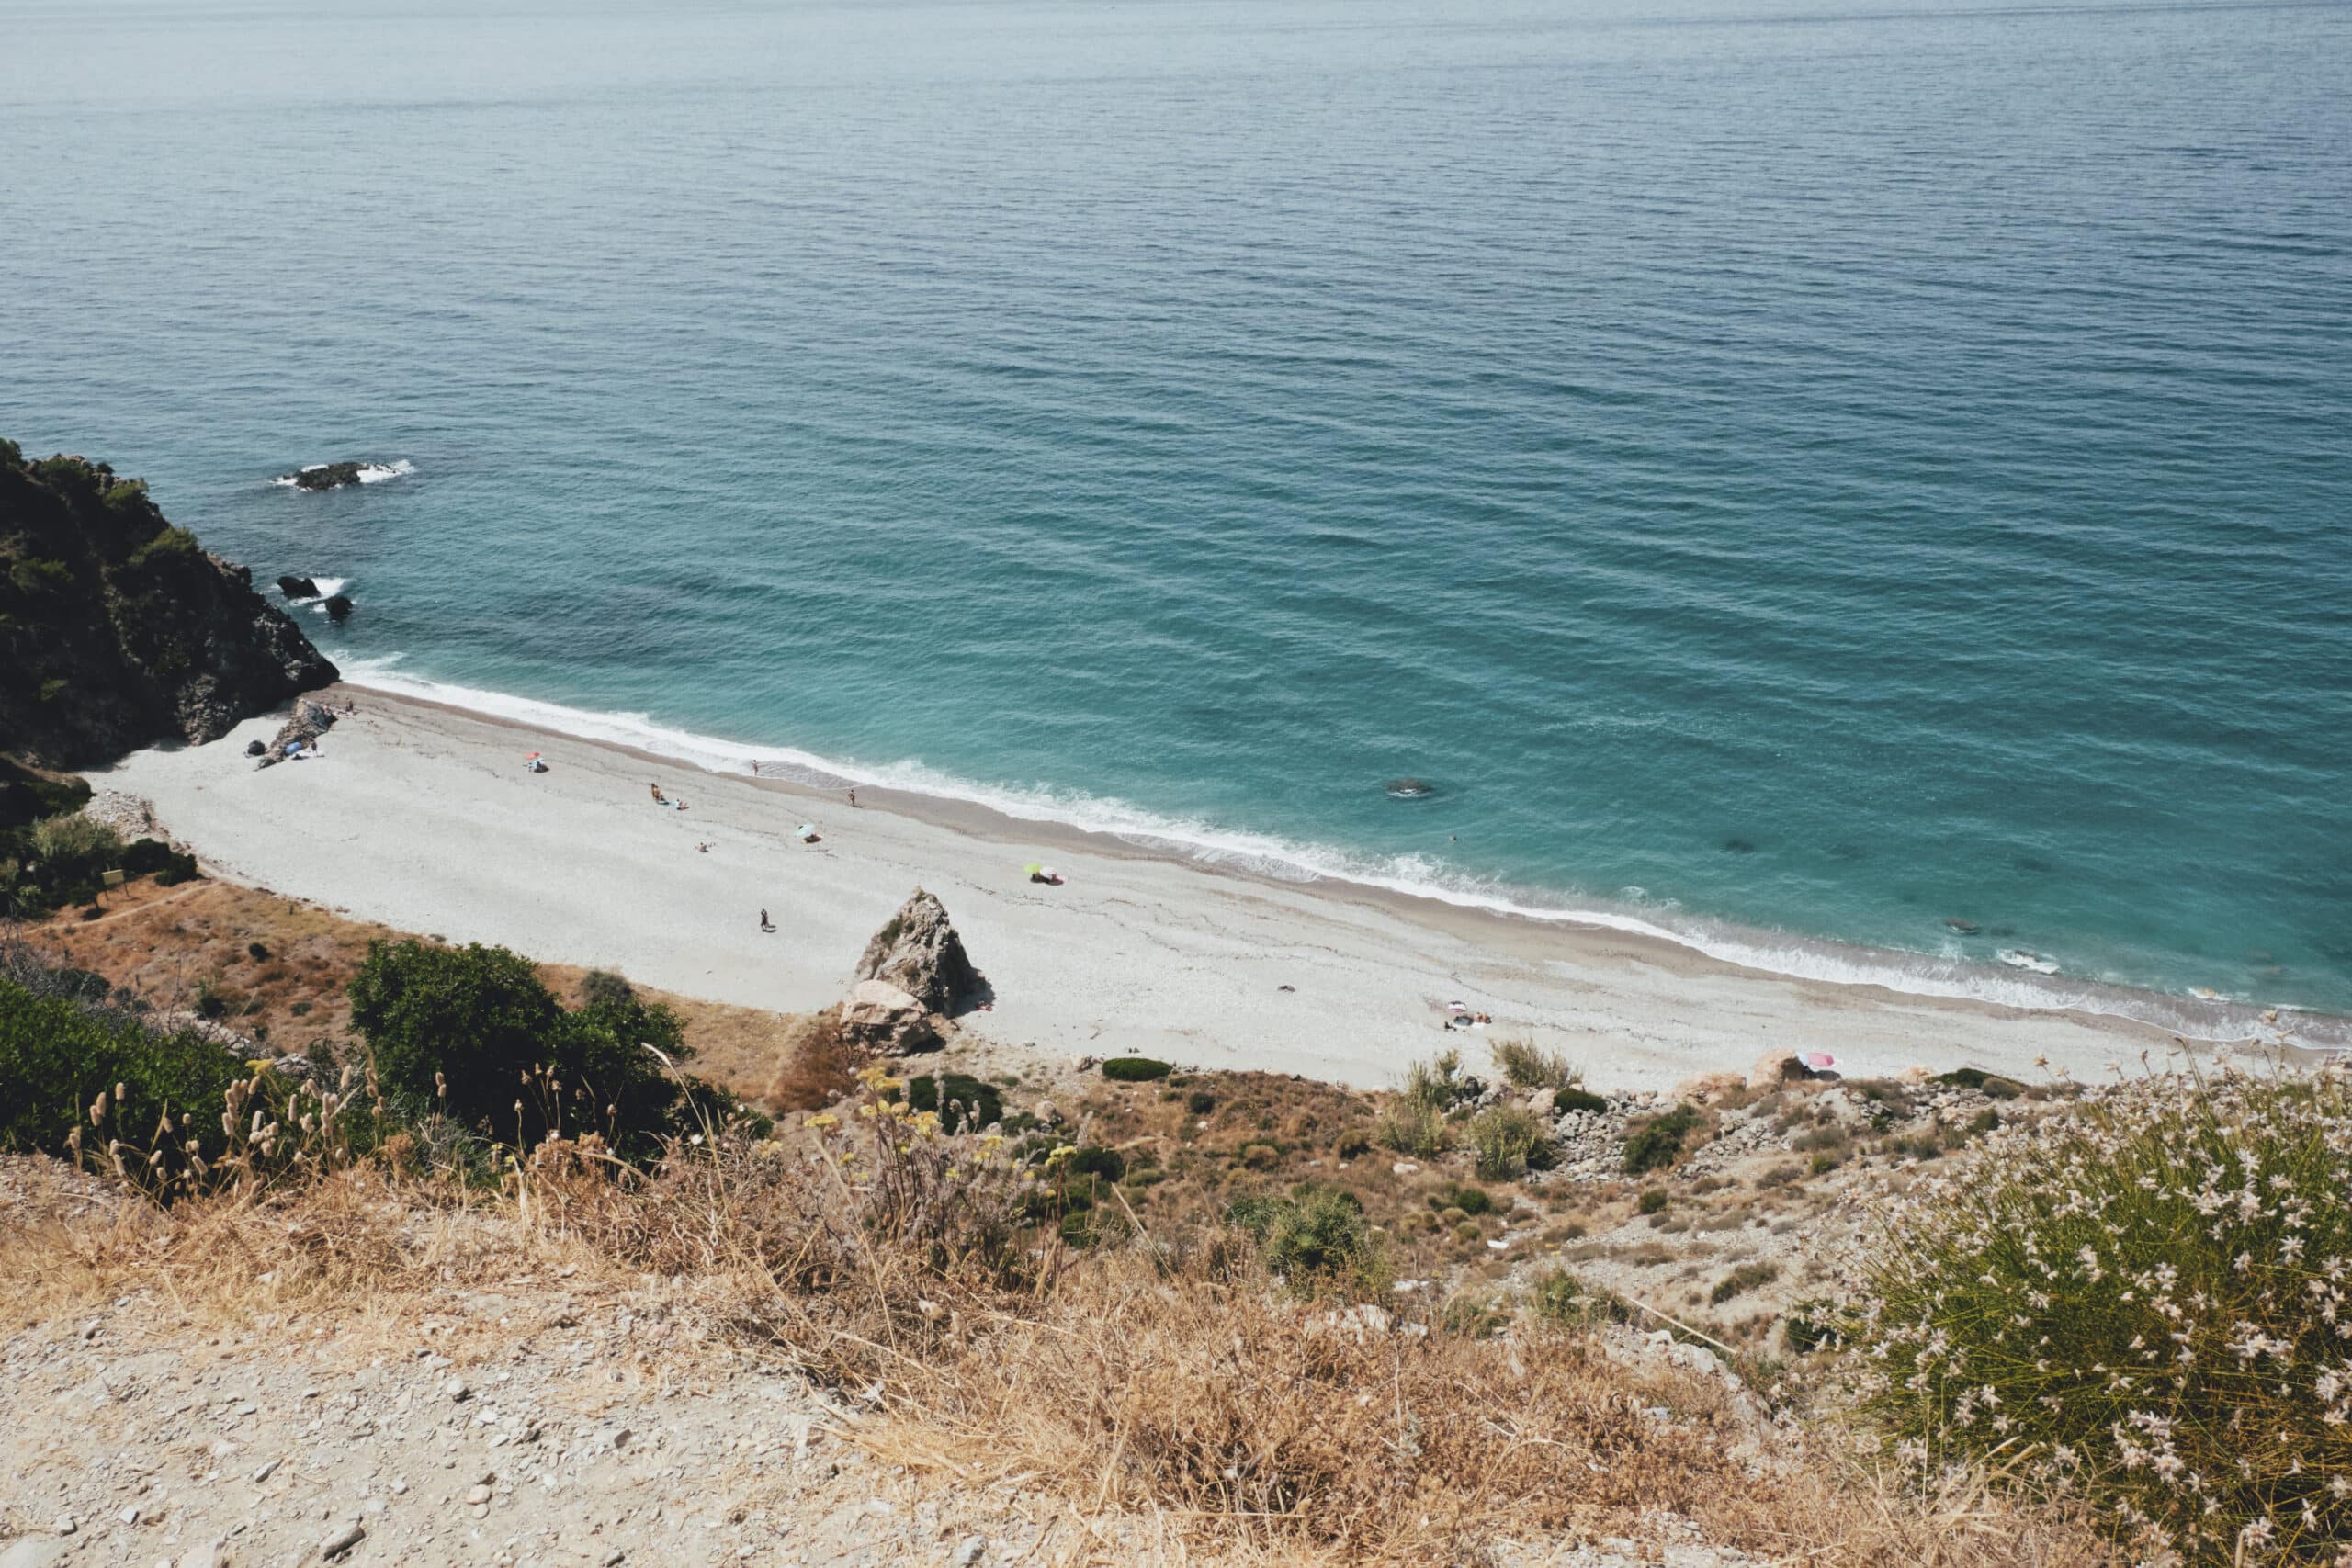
{"x":853,"y":798}
{"x":659,"y":798}
{"x":756,"y":767}
{"x":766,"y":924}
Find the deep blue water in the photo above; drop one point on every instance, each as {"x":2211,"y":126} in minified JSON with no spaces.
{"x":1787,"y":469}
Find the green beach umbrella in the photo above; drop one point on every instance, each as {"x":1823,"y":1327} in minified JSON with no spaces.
{"x":1032,"y":868}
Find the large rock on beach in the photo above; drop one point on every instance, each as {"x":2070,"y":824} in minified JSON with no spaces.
{"x":918,"y":952}
{"x":1774,"y":1069}
{"x":881,"y":1018}
{"x":310,"y":721}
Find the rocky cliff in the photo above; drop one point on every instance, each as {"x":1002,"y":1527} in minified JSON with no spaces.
{"x":117,"y":630}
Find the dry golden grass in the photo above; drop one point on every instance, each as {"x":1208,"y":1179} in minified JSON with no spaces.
{"x":169,"y":945}
{"x":1171,"y":1395}
{"x":815,"y":1066}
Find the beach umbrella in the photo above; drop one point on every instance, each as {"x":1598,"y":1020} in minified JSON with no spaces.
{"x":1034,"y":868}
{"x":804,"y":830}
{"x":1049,"y":874}
{"x":1820,"y":1059}
{"x":530,"y":756}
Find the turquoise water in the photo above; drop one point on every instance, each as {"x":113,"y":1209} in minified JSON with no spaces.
{"x":1794,"y":473}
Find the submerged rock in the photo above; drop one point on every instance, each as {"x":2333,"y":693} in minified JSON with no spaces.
{"x":325,"y":476}
{"x":918,"y":951}
{"x":1409,"y":789}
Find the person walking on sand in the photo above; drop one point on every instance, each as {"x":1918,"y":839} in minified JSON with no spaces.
{"x":756,"y":767}
{"x":766,"y":924}
{"x":852,"y":798}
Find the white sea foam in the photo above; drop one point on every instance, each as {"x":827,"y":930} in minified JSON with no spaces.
{"x":1917,"y":973}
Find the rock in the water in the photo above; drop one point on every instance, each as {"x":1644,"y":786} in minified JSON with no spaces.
{"x":339,"y":608}
{"x":1409,"y":789}
{"x":325,"y":476}
{"x":1774,"y":1069}
{"x":888,"y":1022}
{"x":298,"y":587}
{"x":919,"y":952}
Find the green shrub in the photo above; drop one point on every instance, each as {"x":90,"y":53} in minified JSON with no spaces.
{"x":1412,"y":1128}
{"x":1462,"y":1196}
{"x":1568,"y":1099}
{"x":1978,"y":1079}
{"x":1316,"y":1241}
{"x":1503,"y":1141}
{"x":73,"y":850}
{"x":1653,"y":1201}
{"x":56,"y":1059}
{"x":1199,"y":1102}
{"x":1745,"y":1277}
{"x":1525,"y":1064}
{"x":982,"y":1106}
{"x":172,"y":544}
{"x":1439,"y":1084}
{"x":1474,"y":1315}
{"x":2143,"y":1301}
{"x":1135,"y":1069}
{"x":1657,"y":1144}
{"x":471,"y":1031}
{"x":1562,"y":1299}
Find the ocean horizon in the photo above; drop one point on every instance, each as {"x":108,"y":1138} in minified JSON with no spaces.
{"x":1860,"y":494}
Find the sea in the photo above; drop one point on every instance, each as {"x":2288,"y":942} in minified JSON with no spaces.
{"x":1862,"y":487}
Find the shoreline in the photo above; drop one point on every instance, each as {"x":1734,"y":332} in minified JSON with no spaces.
{"x":2206,"y":1019}
{"x":420,"y":816}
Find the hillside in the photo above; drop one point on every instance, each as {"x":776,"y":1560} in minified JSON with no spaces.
{"x":117,"y":630}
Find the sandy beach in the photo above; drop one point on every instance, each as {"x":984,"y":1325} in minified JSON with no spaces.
{"x":423,"y":817}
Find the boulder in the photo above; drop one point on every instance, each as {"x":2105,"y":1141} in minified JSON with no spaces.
{"x":887,"y":1020}
{"x":918,"y":952}
{"x":298,"y":587}
{"x":310,"y":721}
{"x":339,"y":608}
{"x":1774,"y":1069}
{"x":325,"y":476}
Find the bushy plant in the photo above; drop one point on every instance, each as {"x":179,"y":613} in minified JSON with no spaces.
{"x":968,"y":1102}
{"x":1505,"y":1140}
{"x":1653,"y":1201}
{"x":1745,"y":1277}
{"x":1317,"y":1240}
{"x":1439,"y":1084}
{"x":2142,"y":1301}
{"x":474,"y":1033}
{"x":1566,"y":1099}
{"x":1560,"y":1299}
{"x":1411,"y":1128}
{"x":1135,"y":1069}
{"x":1657,"y":1143}
{"x":59,"y":1058}
{"x":70,"y":850}
{"x":1525,"y":1064}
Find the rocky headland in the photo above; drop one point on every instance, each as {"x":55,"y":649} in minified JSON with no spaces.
{"x":117,"y":630}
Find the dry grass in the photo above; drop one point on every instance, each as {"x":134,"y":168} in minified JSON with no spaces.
{"x":816,"y":1065}
{"x":172,"y":945}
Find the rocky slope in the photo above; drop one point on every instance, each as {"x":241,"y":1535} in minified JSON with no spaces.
{"x":118,"y":630}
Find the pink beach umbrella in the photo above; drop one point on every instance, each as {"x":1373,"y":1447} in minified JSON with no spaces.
{"x":1819,"y":1060}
